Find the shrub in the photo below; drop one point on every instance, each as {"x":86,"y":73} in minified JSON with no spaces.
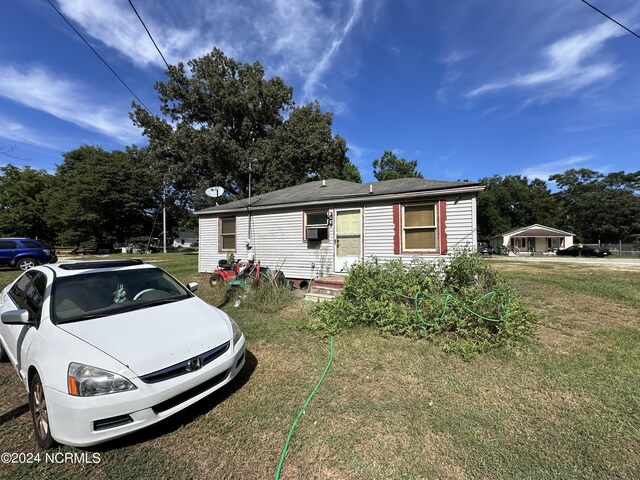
{"x":462,"y":304}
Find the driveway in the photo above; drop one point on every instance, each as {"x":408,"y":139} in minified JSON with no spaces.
{"x":626,"y":263}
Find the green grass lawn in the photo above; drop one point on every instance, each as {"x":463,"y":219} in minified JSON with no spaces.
{"x":566,"y":406}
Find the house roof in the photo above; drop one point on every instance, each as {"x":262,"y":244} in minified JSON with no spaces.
{"x":536,"y":230}
{"x":333,"y":190}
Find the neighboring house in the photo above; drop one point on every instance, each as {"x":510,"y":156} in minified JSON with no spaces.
{"x":321,"y":228}
{"x":185,"y":239}
{"x":532,"y":239}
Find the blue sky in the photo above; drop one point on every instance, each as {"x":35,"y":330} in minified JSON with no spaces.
{"x":468,"y":88}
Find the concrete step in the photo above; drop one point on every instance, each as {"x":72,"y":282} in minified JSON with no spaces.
{"x":318,"y":297}
{"x":326,"y":290}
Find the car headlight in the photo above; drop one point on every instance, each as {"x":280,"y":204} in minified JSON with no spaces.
{"x":237,"y":333}
{"x":87,"y":381}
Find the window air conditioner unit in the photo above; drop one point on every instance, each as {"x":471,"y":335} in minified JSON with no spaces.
{"x":315,"y":234}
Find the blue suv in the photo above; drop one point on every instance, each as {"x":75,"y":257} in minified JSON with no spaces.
{"x":24,"y":253}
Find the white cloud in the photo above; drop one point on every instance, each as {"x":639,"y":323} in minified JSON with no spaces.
{"x":299,"y":39}
{"x":455,"y":56}
{"x":571,"y":64}
{"x":544,"y":170}
{"x":16,"y":132}
{"x":67,"y":100}
{"x":116,"y":25}
{"x":325,"y":61}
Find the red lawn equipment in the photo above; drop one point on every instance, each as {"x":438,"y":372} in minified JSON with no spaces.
{"x":227,"y":271}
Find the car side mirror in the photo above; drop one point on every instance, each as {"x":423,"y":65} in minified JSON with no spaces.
{"x":192,"y":287}
{"x":16,"y":317}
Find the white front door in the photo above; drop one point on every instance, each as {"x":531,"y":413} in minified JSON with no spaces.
{"x":348,"y":238}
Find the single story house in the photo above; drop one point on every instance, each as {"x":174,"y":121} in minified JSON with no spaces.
{"x":320,"y":228}
{"x":532,"y":239}
{"x":185,"y":239}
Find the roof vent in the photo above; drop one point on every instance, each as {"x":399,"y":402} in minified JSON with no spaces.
{"x":370,"y":188}
{"x":324,"y":183}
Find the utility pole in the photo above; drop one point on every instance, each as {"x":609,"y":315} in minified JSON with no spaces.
{"x":164,"y":216}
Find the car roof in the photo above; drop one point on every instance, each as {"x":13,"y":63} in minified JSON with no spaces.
{"x":65,"y":269}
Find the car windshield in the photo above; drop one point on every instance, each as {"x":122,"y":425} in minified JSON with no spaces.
{"x":102,"y":293}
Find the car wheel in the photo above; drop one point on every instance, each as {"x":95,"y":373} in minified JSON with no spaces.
{"x":40,"y":413}
{"x":25,"y":264}
{"x":3,"y":354}
{"x":215,"y":279}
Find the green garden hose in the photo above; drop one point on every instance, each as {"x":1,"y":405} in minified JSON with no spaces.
{"x":301,"y":412}
{"x":449,"y":297}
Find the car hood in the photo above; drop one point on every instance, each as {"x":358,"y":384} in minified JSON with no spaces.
{"x":153,"y":338}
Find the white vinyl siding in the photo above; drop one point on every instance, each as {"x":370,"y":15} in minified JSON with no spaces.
{"x":461,"y":227}
{"x":378,"y":232}
{"x":278,"y":236}
{"x":208,"y":255}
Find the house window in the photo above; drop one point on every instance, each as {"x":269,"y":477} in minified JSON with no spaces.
{"x":227,"y":240}
{"x":316,"y":225}
{"x":419,"y":228}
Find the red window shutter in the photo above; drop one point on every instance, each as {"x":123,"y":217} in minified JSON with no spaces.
{"x":397,"y":228}
{"x":442,"y":226}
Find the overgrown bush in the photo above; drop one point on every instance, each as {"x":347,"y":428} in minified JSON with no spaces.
{"x":461,"y":304}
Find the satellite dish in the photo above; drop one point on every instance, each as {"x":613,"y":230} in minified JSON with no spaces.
{"x":214,"y":192}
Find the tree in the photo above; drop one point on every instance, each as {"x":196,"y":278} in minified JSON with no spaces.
{"x":222,"y":120}
{"x":512,"y":202}
{"x":390,"y":167}
{"x":23,"y":202}
{"x":598,"y":207}
{"x":101,"y":196}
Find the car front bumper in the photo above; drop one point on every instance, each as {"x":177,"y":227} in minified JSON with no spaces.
{"x":86,"y":421}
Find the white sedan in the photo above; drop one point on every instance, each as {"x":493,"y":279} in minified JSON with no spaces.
{"x":106,"y":348}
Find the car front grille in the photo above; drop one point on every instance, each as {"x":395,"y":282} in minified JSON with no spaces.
{"x":186,"y":366}
{"x":192,"y":392}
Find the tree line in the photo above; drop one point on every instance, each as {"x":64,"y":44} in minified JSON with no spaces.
{"x":221,"y":123}
{"x":594,"y":206}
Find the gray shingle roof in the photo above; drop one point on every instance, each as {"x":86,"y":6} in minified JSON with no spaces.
{"x":332,"y":189}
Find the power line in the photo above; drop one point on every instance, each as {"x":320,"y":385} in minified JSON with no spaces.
{"x":612,"y":19}
{"x":98,"y":55}
{"x":149,"y":33}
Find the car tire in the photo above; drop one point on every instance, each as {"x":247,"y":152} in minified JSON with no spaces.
{"x":40,"y":414}
{"x":215,"y":279}
{"x":3,"y":354}
{"x":25,"y":264}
